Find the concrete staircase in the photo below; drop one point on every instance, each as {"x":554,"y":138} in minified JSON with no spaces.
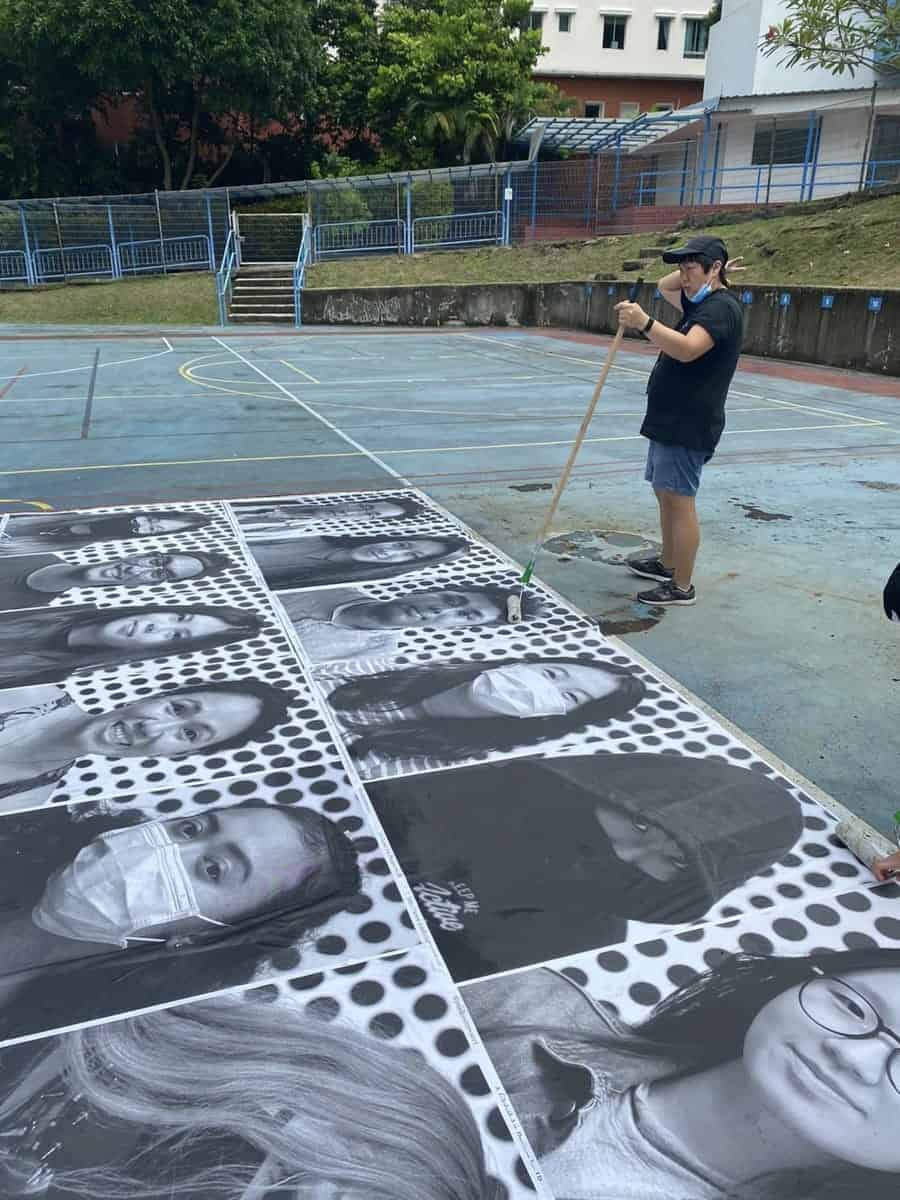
{"x":263,"y":295}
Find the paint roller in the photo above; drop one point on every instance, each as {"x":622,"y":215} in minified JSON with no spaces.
{"x":514,"y":601}
{"x":865,"y":842}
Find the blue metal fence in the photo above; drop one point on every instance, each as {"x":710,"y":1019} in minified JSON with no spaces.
{"x":359,"y":237}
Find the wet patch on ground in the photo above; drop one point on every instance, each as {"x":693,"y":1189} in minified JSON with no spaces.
{"x":878,"y":485}
{"x":611,"y":546}
{"x":759,"y":514}
{"x":631,"y":617}
{"x":531,"y":487}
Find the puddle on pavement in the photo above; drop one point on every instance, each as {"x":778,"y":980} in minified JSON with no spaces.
{"x":611,"y":546}
{"x":760,"y":514}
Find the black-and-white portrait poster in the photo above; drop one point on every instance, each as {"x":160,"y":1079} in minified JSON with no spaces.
{"x":360,"y":1084}
{"x":113,"y":908}
{"x":523,"y":861}
{"x":363,"y":622}
{"x":338,"y":512}
{"x":52,"y":532}
{"x":718,"y":1063}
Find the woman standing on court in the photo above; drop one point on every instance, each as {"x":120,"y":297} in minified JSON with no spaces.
{"x":686,"y":395}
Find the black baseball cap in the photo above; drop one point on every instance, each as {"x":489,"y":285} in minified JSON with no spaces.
{"x":711,"y":247}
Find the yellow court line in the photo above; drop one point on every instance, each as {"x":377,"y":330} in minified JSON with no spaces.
{"x":306,"y":375}
{"x":188,"y":462}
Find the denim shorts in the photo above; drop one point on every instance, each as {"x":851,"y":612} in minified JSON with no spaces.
{"x":675,"y":468}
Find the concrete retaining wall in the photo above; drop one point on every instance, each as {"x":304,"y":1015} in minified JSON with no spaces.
{"x":857,"y":328}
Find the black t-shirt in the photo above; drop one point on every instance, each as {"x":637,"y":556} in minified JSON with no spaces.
{"x":686,"y":401}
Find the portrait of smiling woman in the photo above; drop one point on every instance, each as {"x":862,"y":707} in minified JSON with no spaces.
{"x":69,"y":531}
{"x":43,"y":731}
{"x":312,"y":561}
{"x":763,"y":1079}
{"x":426,"y":716}
{"x":103,"y":914}
{"x":43,"y":646}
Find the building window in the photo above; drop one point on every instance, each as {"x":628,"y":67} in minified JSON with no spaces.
{"x":663,"y":25}
{"x":662,"y":106}
{"x":884,"y":156}
{"x":535,"y":20}
{"x":629,"y":109}
{"x":564,"y":22}
{"x":696,"y":36}
{"x":595,"y":109}
{"x":614,"y":33}
{"x":780,"y":145}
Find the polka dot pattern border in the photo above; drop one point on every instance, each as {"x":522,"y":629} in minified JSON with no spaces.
{"x":424,"y":515}
{"x":633,"y":978}
{"x":407,"y":1000}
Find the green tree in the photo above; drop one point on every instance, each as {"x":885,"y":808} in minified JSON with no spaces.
{"x":347,"y":31}
{"x":449,"y":73}
{"x":840,"y":35}
{"x":225,"y":68}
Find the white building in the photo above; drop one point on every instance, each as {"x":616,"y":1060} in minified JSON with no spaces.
{"x":765,"y":133}
{"x":618,"y":60}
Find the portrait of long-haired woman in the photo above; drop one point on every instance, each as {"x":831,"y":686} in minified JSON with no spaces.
{"x":347,"y":558}
{"x":234,"y":1099}
{"x":42,"y":646}
{"x":762,"y":1079}
{"x":425,"y":716}
{"x":70,"y":531}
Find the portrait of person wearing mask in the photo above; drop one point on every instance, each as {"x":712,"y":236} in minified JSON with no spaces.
{"x":762,"y":1079}
{"x":185,"y":904}
{"x":346,"y":623}
{"x":523,"y":861}
{"x":43,"y":731}
{"x":69,"y":531}
{"x":348,"y":558}
{"x":38,"y":579}
{"x":225,"y":1098}
{"x":42,"y":646}
{"x":423,"y":717}
{"x":264,"y":517}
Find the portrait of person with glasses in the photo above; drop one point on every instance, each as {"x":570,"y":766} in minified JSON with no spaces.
{"x":762,"y":1079}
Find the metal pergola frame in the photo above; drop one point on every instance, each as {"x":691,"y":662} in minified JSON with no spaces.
{"x":592,"y":135}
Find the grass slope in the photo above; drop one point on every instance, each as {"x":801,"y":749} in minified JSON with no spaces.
{"x":856,"y":245}
{"x":184,"y":299}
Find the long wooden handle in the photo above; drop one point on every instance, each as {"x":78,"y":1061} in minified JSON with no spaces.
{"x":582,"y":432}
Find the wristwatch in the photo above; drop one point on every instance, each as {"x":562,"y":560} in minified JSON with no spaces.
{"x":651,"y":321}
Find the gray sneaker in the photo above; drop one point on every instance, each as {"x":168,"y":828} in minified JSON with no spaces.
{"x":649,"y":568}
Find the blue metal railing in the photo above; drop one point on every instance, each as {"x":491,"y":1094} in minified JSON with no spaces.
{"x":69,"y":262}
{"x":14,"y":266}
{"x":757,"y":183}
{"x":457,"y":229}
{"x":191,"y":252}
{"x":359,"y":237}
{"x":303,"y":255}
{"x":223,"y":277}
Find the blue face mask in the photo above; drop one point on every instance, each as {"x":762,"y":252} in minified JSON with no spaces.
{"x":701,"y":295}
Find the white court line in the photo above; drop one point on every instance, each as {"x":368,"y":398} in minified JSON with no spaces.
{"x":306,"y":375}
{"x":312,"y":412}
{"x":169,"y":345}
{"x":89,"y":366}
{"x":361,"y":452}
{"x":591,"y":362}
